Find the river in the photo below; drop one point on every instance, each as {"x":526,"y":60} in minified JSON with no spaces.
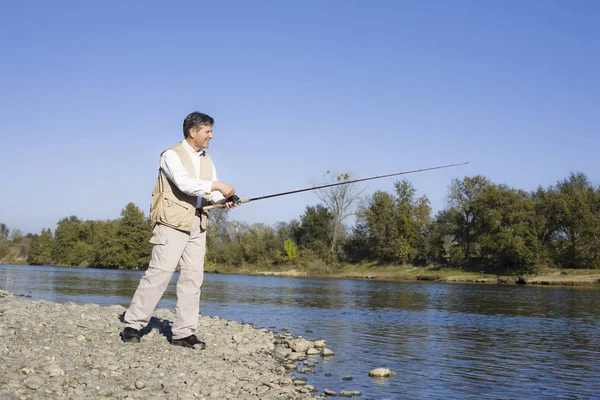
{"x":444,"y":341}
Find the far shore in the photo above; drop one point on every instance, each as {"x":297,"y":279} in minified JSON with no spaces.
{"x":553,"y":277}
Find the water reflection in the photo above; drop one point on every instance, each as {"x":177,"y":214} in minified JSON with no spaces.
{"x":443,"y":340}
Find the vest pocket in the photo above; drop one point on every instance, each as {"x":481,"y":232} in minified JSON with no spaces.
{"x":174,"y":212}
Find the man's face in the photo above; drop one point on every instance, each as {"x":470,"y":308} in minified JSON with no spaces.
{"x":202,"y":136}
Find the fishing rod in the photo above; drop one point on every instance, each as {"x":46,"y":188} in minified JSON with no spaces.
{"x":236,"y":199}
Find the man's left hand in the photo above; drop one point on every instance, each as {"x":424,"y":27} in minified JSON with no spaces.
{"x":231,"y":204}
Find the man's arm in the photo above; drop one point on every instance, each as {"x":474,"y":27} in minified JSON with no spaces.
{"x":175,"y":171}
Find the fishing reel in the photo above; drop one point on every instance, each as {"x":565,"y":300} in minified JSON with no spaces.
{"x":233,"y":199}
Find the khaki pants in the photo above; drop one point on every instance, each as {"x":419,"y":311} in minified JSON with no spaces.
{"x":171,"y":247}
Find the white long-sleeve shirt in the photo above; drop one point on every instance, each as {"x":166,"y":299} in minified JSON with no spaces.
{"x":175,"y":171}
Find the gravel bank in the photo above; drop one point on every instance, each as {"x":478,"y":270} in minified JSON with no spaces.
{"x":50,"y":350}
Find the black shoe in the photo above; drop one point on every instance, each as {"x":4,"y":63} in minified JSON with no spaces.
{"x":190,"y":341}
{"x":130,"y":335}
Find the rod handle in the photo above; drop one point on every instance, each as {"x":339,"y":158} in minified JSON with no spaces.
{"x":213,"y":206}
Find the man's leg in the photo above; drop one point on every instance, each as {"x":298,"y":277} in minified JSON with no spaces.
{"x":189,"y":283}
{"x":168,"y":246}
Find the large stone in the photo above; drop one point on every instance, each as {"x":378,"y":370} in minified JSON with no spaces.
{"x":312,"y":351}
{"x":327,"y":352}
{"x":300,"y":345}
{"x":381,"y":373}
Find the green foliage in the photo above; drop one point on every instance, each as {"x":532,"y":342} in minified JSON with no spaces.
{"x":466,"y":212}
{"x":508,"y":240}
{"x":571,"y":224}
{"x":314,"y":231}
{"x":291,"y":250}
{"x":391,"y":229}
{"x":107,"y":252}
{"x":4,"y":246}
{"x":40,"y":249}
{"x":4,"y":232}
{"x":123,"y":243}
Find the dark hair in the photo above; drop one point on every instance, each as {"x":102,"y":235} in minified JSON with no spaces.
{"x":194,"y":121}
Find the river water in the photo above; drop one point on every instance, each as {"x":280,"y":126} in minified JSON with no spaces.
{"x":444,"y":341}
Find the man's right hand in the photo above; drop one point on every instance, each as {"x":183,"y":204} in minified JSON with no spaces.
{"x":225,"y":189}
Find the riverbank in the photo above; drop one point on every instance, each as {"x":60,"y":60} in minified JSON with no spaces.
{"x":50,"y":350}
{"x":560,"y":277}
{"x":372,"y":271}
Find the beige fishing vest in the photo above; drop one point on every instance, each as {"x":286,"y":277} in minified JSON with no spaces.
{"x":170,"y":206}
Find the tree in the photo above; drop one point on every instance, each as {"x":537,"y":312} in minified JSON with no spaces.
{"x":465,"y":213}
{"x":4,"y":232}
{"x":440,"y":246}
{"x":260,"y":245}
{"x":314,"y":232}
{"x":107,"y":251}
{"x":577,"y":230}
{"x":16,"y":236}
{"x":508,"y":240}
{"x":40,"y":249}
{"x":339,"y":201}
{"x":68,"y":232}
{"x":393,"y":227}
{"x":133,"y":233}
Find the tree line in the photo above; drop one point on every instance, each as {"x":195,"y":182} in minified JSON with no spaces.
{"x":484,"y":227}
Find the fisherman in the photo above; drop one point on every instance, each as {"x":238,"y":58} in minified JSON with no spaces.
{"x":187,"y":182}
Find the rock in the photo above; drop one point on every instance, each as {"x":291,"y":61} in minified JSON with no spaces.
{"x":320,"y":343}
{"x":238,"y":337}
{"x":139,"y":384}
{"x":327,"y":352}
{"x":381,"y":373}
{"x":248,"y":387}
{"x":329,"y":392}
{"x":34,"y":381}
{"x":347,"y":378}
{"x":312,"y":351}
{"x":54,"y":370}
{"x":300,"y":345}
{"x":290,"y":366}
{"x":293,"y":356}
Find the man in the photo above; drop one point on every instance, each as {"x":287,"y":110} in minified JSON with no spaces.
{"x":186,"y":182}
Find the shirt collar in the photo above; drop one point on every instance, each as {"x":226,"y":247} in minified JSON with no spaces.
{"x":191,"y":150}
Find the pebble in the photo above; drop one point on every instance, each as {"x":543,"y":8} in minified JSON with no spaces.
{"x":34,"y":382}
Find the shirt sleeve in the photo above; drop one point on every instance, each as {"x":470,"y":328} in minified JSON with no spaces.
{"x":216,"y":196}
{"x":175,"y":171}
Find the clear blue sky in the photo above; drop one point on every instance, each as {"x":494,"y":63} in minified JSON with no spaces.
{"x":91,"y":93}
